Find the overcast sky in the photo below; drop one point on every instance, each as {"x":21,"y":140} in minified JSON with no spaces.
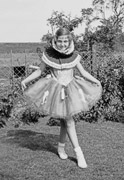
{"x":26,"y":20}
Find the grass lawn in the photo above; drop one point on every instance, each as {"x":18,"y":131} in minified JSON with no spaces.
{"x":29,"y":152}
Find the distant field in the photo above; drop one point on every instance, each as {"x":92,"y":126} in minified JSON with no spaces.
{"x":18,"y":54}
{"x":18,"y":59}
{"x":20,"y":47}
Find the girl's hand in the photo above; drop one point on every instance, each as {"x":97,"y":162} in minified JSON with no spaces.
{"x":23,"y":85}
{"x":98,"y":83}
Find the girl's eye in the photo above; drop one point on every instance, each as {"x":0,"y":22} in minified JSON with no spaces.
{"x":59,"y":41}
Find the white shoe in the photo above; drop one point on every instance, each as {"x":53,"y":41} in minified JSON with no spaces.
{"x":61,"y":151}
{"x":80,"y":158}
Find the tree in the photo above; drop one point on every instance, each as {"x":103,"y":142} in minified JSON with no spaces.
{"x":47,"y":37}
{"x":110,"y":12}
{"x":110,"y":24}
{"x":59,"y":19}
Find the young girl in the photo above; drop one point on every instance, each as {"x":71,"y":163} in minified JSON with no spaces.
{"x":61,"y":94}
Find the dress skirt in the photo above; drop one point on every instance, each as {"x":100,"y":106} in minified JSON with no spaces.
{"x":60,"y":101}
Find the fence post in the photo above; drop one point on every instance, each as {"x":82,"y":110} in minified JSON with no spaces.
{"x":25,"y":63}
{"x":11,"y":76}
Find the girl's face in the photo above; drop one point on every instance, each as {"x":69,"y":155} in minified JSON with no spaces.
{"x":62,"y":42}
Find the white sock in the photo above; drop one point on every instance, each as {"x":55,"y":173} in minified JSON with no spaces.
{"x":61,"y":151}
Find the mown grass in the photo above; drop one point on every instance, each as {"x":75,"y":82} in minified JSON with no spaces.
{"x":29,"y":152}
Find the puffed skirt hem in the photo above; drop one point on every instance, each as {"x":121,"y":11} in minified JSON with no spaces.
{"x":75,"y":115}
{"x":52,"y":99}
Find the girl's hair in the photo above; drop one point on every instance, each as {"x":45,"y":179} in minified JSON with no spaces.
{"x":63,"y":31}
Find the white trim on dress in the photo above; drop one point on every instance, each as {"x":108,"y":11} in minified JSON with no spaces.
{"x":61,"y":66}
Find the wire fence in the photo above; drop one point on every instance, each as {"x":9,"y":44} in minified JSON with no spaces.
{"x":14,"y":67}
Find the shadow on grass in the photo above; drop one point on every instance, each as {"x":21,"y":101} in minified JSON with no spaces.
{"x":32,"y":140}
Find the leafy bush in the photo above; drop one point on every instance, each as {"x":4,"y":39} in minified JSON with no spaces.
{"x":108,"y":68}
{"x":24,"y":114}
{"x":53,"y":122}
{"x":13,"y":108}
{"x":6,"y":106}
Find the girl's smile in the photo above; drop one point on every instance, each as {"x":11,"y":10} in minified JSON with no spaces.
{"x":62,"y":42}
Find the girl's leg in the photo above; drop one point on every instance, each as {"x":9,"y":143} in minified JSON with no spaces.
{"x":63,"y":132}
{"x":72,"y":133}
{"x":71,"y":130}
{"x":62,"y":139}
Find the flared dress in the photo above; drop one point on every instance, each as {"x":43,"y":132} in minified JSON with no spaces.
{"x":61,"y":94}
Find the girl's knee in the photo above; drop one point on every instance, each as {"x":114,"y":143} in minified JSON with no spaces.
{"x":70,"y":123}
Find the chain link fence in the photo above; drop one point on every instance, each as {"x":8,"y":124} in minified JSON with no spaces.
{"x":14,"y":67}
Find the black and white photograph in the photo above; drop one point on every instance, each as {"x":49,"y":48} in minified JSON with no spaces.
{"x":61,"y":90}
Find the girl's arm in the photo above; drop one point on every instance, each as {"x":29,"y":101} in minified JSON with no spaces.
{"x":87,"y":75}
{"x":33,"y":76}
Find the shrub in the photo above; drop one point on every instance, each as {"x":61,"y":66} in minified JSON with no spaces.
{"x":24,"y":114}
{"x":6,"y":106}
{"x":108,"y":68}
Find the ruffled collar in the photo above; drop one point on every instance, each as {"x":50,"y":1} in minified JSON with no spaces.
{"x":58,"y":60}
